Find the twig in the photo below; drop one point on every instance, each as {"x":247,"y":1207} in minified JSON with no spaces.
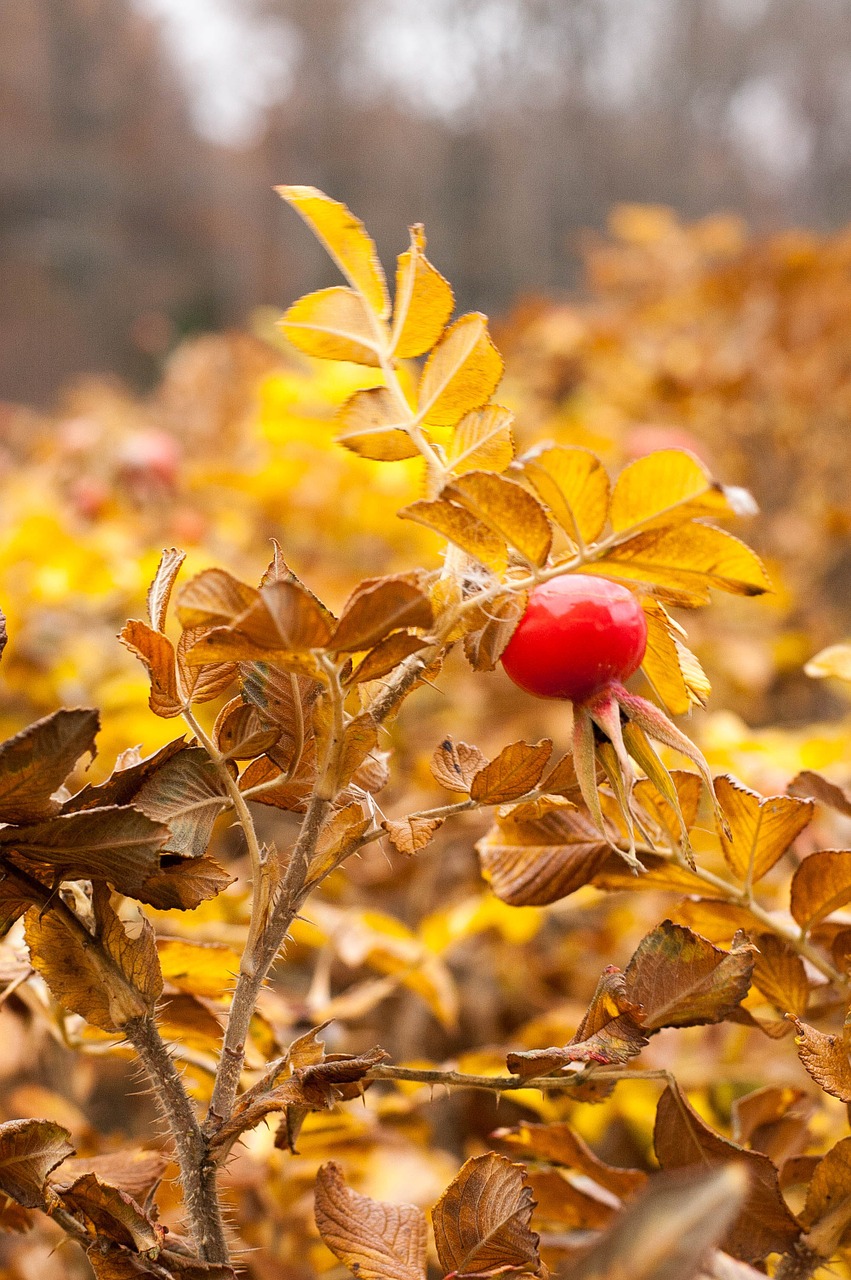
{"x":510,"y":1084}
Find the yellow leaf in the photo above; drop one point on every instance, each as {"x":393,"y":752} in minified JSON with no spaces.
{"x":424,"y":301}
{"x":482,"y":441}
{"x":372,"y":425}
{"x":346,"y":239}
{"x":332,"y":324}
{"x":460,"y":526}
{"x":672,"y":669}
{"x":200,"y":968}
{"x":664,"y":487}
{"x":574,"y":485}
{"x":508,"y":509}
{"x":761,"y":827}
{"x":461,"y":372}
{"x":779,"y":975}
{"x":685,"y":560}
{"x":835,"y":661}
{"x":820,"y":885}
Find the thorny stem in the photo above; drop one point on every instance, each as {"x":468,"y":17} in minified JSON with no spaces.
{"x":510,"y":1084}
{"x":197,"y":1170}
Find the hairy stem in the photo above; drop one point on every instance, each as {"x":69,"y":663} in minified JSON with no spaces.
{"x":197,"y":1170}
{"x":259,"y":881}
{"x":249,"y":984}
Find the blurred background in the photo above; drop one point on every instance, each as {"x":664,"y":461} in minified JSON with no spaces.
{"x":140,"y":139}
{"x":651,"y":201}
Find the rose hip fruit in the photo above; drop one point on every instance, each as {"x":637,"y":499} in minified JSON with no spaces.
{"x":578,"y":635}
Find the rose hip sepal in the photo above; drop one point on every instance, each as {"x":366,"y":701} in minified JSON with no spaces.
{"x":579,"y":639}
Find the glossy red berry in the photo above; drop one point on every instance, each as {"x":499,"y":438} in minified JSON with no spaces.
{"x":578,"y":635}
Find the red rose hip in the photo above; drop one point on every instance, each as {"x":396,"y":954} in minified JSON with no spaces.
{"x":578,"y":635}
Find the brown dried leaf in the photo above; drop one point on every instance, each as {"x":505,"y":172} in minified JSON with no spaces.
{"x":813,"y":786}
{"x":29,"y":1151}
{"x":159,"y":592}
{"x":764,"y":1224}
{"x":559,"y":1203}
{"x":508,"y":509}
{"x":377,"y":607}
{"x":136,"y":1171}
{"x":108,"y":980}
{"x":491,"y":628}
{"x":424,"y":301}
{"x":124,"y":782}
{"x":515,"y":771}
{"x":343,"y":829}
{"x":111,"y":1214}
{"x":184,"y":884}
{"x":187,"y":793}
{"x":609,"y":1033}
{"x":115,"y":844}
{"x":454,"y":765}
{"x":460,"y":373}
{"x":213,"y":598}
{"x":826,"y":1058}
{"x":826,"y":1216}
{"x":289,"y":794}
{"x":360,"y":737}
{"x":538,"y":860}
{"x":201,"y":683}
{"x":240,"y":733}
{"x":560,"y":1144}
{"x":409,"y":835}
{"x":36,"y":761}
{"x":775,"y":1121}
{"x":481,"y":1222}
{"x":376,"y":1241}
{"x":681,"y":980}
{"x":821,"y":884}
{"x":386,"y":656}
{"x":112,"y":1262}
{"x":156,"y":652}
{"x":761,"y":827}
